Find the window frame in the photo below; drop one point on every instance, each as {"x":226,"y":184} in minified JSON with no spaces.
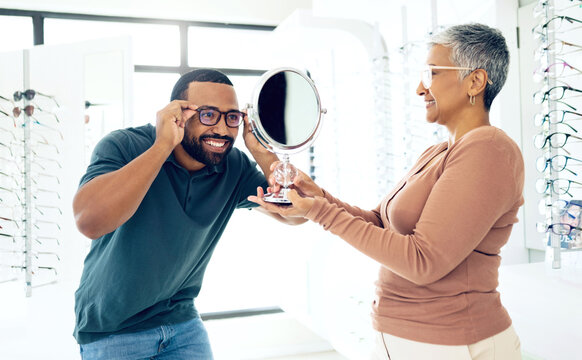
{"x":38,"y":18}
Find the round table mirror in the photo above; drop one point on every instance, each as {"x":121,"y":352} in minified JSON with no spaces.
{"x":285,"y":116}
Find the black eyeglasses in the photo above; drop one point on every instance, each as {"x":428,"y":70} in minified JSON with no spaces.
{"x":210,"y":116}
{"x":557,"y":163}
{"x":555,"y":93}
{"x":556,"y":140}
{"x":558,"y":186}
{"x":30,"y":94}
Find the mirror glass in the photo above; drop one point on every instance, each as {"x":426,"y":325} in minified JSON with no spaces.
{"x":286,"y":116}
{"x":288,"y":109}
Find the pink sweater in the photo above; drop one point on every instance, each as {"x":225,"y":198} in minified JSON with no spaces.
{"x":438,"y":235}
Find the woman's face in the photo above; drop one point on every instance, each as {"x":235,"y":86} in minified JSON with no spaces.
{"x":447,"y":94}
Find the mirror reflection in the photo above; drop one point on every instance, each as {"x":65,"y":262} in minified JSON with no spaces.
{"x":288,"y":108}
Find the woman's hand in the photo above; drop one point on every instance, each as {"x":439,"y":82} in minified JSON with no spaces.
{"x":304,"y":185}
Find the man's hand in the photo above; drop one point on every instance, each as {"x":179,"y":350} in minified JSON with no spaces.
{"x":170,"y":122}
{"x":251,"y":142}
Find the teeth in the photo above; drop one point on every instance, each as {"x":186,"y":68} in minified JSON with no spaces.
{"x":215,"y":144}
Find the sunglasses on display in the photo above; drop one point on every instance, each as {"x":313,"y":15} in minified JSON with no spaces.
{"x":30,"y":94}
{"x":210,"y":116}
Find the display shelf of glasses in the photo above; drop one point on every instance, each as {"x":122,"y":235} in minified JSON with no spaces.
{"x":30,"y":181}
{"x":559,"y":63}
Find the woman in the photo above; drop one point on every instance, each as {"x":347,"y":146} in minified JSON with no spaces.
{"x":438,"y":234}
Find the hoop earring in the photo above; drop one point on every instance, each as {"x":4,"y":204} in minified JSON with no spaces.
{"x":472,"y":99}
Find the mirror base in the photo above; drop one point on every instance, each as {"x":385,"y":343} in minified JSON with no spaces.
{"x":279,"y":198}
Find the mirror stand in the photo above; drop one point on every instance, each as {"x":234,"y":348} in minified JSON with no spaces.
{"x":284,"y":173}
{"x":286,"y":116}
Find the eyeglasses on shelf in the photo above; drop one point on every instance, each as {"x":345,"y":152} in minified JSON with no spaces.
{"x":554,"y":93}
{"x":556,"y":116}
{"x":558,"y":228}
{"x":557,"y":163}
{"x":556,"y":140}
{"x":30,"y":94}
{"x":557,"y":186}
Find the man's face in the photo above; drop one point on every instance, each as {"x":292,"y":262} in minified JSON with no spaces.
{"x":210,"y":144}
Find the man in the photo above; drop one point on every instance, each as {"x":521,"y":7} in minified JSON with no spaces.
{"x":156,"y":200}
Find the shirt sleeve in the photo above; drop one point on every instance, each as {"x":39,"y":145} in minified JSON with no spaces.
{"x":481,"y":181}
{"x":109,"y":155}
{"x":251,"y":179}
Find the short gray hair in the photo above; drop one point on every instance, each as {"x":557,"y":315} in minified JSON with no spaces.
{"x":477,"y":46}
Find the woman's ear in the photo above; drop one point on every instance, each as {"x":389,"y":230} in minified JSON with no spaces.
{"x":477,"y":82}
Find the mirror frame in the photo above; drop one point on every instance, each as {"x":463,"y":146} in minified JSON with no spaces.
{"x":257,"y":127}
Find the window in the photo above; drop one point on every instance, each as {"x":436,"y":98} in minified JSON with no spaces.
{"x":17,"y":33}
{"x":153,"y":44}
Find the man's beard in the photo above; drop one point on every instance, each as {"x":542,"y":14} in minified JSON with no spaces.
{"x":194,"y":148}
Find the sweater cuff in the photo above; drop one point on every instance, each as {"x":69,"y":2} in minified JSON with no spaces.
{"x":318,"y":205}
{"x":327,"y":196}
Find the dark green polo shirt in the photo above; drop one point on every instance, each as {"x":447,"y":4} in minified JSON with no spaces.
{"x":148,"y":271}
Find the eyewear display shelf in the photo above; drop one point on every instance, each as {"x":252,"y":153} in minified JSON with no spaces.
{"x":30,"y":200}
{"x":558,"y":57}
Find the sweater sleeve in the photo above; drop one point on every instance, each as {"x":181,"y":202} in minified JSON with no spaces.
{"x":372,"y":216}
{"x":480,"y":182}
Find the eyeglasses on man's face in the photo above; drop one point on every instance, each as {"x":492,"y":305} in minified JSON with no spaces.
{"x":427,"y":72}
{"x":210,"y":116}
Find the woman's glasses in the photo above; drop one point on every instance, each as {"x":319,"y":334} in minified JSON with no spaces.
{"x":427,"y":72}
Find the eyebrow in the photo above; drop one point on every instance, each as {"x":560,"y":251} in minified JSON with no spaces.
{"x":215,"y":107}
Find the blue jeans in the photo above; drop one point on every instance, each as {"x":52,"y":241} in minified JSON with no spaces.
{"x":183,"y":341}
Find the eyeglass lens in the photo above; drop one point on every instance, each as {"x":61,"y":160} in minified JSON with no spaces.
{"x":211,"y":117}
